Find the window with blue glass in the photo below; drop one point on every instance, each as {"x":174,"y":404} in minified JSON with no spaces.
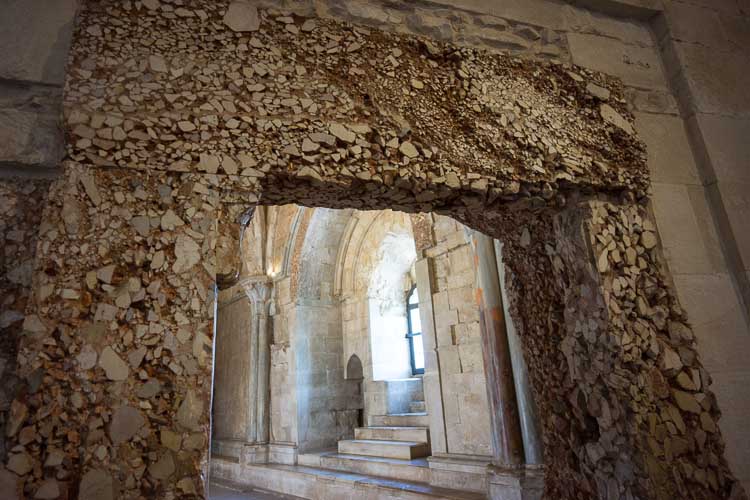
{"x":416,"y":348}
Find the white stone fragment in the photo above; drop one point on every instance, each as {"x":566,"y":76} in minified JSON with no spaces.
{"x":186,"y":126}
{"x":157,"y":63}
{"x":126,"y":422}
{"x":229,"y":165}
{"x":33,"y":324}
{"x":87,"y":357}
{"x":609,"y":115}
{"x":242,"y":16}
{"x":408,"y":150}
{"x":170,"y":220}
{"x":209,"y":163}
{"x":114,"y":367}
{"x":342,"y":133}
{"x":309,"y":146}
{"x":187,"y":252}
{"x":151,"y":4}
{"x":599,"y":92}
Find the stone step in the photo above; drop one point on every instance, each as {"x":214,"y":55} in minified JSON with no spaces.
{"x":417,"y":407}
{"x":392,"y":433}
{"x":405,"y":450}
{"x":229,"y":490}
{"x":315,"y":483}
{"x":400,"y":420}
{"x":408,"y":470}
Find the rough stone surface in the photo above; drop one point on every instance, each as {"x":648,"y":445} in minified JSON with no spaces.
{"x":515,"y":132}
{"x":19,"y":220}
{"x":96,"y":485}
{"x":9,"y":484}
{"x":42,"y":57}
{"x":29,"y":129}
{"x":401,"y":127}
{"x":126,"y":422}
{"x":113,"y":365}
{"x":49,"y":490}
{"x":120,"y":333}
{"x":242,"y":16}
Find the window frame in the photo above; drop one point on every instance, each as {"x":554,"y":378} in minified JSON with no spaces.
{"x":410,"y":334}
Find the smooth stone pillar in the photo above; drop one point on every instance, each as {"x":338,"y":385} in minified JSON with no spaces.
{"x":507,"y":443}
{"x":259,"y":292}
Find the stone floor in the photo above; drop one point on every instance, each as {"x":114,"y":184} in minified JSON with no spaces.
{"x":223,"y":491}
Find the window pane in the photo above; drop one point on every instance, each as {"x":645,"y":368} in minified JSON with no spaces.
{"x":416,"y":324}
{"x":414,"y":297}
{"x":418,"y":353}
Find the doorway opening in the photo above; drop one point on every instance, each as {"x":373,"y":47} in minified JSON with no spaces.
{"x":368,"y":312}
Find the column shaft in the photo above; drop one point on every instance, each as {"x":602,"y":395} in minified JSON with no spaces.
{"x":259,"y":292}
{"x":507,"y":444}
{"x":264,"y":373}
{"x":252,"y":424}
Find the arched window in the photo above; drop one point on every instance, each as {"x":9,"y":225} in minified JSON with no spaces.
{"x":416,"y":348}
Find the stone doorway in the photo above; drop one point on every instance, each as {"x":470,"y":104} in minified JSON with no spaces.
{"x":168,"y":141}
{"x":326,"y":270}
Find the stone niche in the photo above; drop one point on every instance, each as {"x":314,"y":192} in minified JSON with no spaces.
{"x":180,"y":116}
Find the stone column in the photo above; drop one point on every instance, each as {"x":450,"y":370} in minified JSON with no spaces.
{"x":507,"y":445}
{"x":508,"y":478}
{"x":258,"y":291}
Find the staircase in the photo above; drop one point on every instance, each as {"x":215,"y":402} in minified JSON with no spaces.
{"x":404,"y":436}
{"x":405,"y":443}
{"x":384,"y":461}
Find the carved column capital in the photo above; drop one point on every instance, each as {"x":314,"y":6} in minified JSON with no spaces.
{"x":237,"y":225}
{"x":259,"y":290}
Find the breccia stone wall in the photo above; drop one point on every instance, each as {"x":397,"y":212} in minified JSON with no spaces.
{"x":19,"y":219}
{"x":397,"y":116}
{"x":625,"y":403}
{"x":115,"y":357}
{"x":177,"y":119}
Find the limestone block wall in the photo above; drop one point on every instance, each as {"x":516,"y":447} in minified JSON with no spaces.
{"x":368,"y":288}
{"x":327,"y":404}
{"x":459,"y":354}
{"x":35,"y":40}
{"x":283,"y":369}
{"x":232,"y":371}
{"x":327,"y":408}
{"x":356,"y":334}
{"x":704,"y":46}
